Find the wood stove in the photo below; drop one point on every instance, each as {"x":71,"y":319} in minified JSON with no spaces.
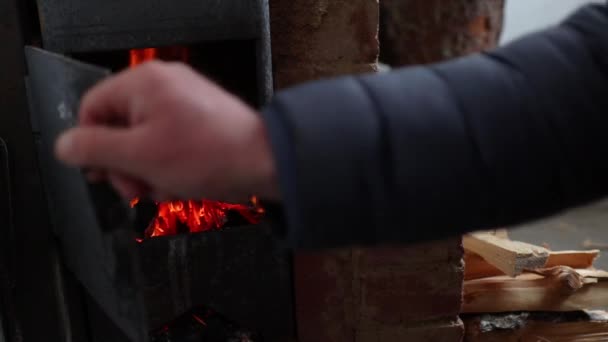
{"x":71,"y":267}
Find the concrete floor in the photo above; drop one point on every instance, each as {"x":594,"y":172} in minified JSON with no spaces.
{"x":570,"y":230}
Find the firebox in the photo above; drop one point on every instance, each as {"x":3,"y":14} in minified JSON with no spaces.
{"x":82,"y":264}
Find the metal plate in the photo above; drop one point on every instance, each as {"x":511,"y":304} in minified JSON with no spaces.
{"x":91,"y":222}
{"x":240,"y":272}
{"x":93,"y":25}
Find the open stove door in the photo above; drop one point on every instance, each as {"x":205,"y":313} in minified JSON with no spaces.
{"x":91,"y":222}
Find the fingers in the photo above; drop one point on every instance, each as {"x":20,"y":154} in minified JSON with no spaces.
{"x":96,"y":147}
{"x":108,"y":102}
{"x":112,"y":101}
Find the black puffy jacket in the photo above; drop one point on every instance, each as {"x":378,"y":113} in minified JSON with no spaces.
{"x":426,"y":152}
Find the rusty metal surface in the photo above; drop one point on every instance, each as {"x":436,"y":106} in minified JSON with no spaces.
{"x":239,"y":272}
{"x":75,"y":25}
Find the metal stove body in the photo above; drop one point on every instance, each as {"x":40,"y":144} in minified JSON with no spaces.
{"x":71,"y":269}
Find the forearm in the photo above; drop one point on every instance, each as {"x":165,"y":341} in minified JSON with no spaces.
{"x":426,"y":152}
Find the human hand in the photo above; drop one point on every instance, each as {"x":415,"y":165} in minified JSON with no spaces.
{"x":164,"y":131}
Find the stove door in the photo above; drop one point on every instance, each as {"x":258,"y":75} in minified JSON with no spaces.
{"x":91,"y":221}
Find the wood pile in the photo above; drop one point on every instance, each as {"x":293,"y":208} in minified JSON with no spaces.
{"x":516,"y":291}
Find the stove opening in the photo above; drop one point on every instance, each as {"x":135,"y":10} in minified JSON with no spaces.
{"x":193,"y":216}
{"x":203,"y":324}
{"x":169,"y":53}
{"x":230,"y":63}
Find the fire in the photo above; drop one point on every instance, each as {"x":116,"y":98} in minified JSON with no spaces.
{"x":194,"y":215}
{"x":170,"y":53}
{"x":174,"y":217}
{"x":134,"y":202}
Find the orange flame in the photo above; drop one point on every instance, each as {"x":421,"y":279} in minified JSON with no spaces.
{"x":197,"y":216}
{"x":169,"y":53}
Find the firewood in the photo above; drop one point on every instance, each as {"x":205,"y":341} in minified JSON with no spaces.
{"x":511,"y":257}
{"x":555,"y":289}
{"x":574,"y":259}
{"x":555,"y":327}
{"x":477,"y":267}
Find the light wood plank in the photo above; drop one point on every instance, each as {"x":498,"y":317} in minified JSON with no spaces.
{"x":556,"y":289}
{"x":510,"y":257}
{"x":477,"y":267}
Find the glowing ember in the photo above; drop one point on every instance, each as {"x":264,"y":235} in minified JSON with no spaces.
{"x":200,"y":320}
{"x":134,"y":202}
{"x":198,"y":216}
{"x":170,"y":53}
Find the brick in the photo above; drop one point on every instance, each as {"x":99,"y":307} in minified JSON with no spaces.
{"x":409,"y":294}
{"x":420,"y":32}
{"x":447,"y":251}
{"x":323,"y":295}
{"x":323,"y":34}
{"x":297,"y":73}
{"x":340,"y":291}
{"x":436,"y":331}
{"x":345,"y":295}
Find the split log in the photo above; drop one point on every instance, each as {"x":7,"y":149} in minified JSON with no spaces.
{"x":477,"y":267}
{"x":511,"y":257}
{"x":574,"y":259}
{"x":555,"y":327}
{"x":555,"y":289}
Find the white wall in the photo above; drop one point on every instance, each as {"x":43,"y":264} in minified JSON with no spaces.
{"x":523,"y":16}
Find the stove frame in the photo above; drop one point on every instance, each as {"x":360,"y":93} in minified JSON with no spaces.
{"x":42,"y":296}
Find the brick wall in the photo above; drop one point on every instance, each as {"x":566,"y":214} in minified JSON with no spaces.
{"x":408,"y":293}
{"x":383,"y":294}
{"x":416,"y":32}
{"x":313,"y":39}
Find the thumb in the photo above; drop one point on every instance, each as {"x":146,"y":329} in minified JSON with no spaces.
{"x":94,"y":147}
